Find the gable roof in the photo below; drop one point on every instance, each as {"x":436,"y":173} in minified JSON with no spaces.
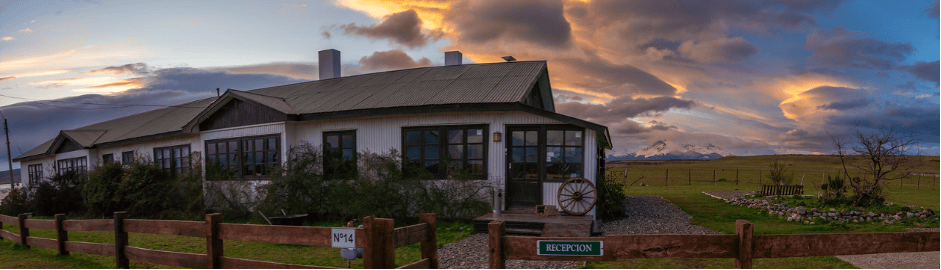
{"x":475,"y":87}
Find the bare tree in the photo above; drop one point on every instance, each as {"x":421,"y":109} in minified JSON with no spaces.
{"x":880,"y":156}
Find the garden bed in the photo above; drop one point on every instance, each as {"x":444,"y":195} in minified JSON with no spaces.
{"x":805,"y":209}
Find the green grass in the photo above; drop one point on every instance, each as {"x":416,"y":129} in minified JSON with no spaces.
{"x":13,"y":255}
{"x":719,"y":216}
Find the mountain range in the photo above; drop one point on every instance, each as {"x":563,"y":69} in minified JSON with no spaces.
{"x":663,"y":150}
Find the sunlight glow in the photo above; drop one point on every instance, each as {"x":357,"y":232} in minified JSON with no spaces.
{"x":430,"y":12}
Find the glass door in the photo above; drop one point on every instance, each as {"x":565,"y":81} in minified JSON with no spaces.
{"x":524,"y":181}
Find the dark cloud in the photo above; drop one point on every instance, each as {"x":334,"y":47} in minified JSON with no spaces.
{"x":129,"y":69}
{"x":600,"y":75}
{"x":164,"y":87}
{"x":801,"y":139}
{"x":928,"y":71}
{"x":622,"y":108}
{"x":846,"y":105}
{"x":297,"y":70}
{"x":719,"y":50}
{"x":536,"y":22}
{"x":933,"y":10}
{"x":404,"y":28}
{"x":7,"y":78}
{"x":919,"y":118}
{"x":839,"y":47}
{"x":391,"y":60}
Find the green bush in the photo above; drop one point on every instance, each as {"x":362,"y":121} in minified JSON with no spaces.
{"x":379,"y":187}
{"x":144,"y":190}
{"x":16,"y":202}
{"x":779,"y":174}
{"x":612,"y":198}
{"x":62,"y":194}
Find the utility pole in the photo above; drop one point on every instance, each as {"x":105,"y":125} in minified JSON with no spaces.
{"x":9,"y":155}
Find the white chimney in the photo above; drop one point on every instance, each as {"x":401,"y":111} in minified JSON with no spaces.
{"x":329,"y":61}
{"x":453,"y":58}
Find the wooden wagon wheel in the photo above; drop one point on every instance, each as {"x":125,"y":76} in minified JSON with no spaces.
{"x":577,"y":196}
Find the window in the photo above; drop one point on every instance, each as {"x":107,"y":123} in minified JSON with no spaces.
{"x":78,"y":165}
{"x":107,"y":159}
{"x":247,"y":157}
{"x":127,"y":157}
{"x":35,"y":173}
{"x":339,"y":150}
{"x":462,"y":148}
{"x":174,"y":159}
{"x":564,"y":153}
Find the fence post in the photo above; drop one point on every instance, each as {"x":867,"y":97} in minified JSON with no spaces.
{"x":213,"y":242}
{"x":61,"y":235}
{"x":380,"y":248}
{"x":120,"y":241}
{"x":689,"y":176}
{"x":497,"y":256}
{"x":736,"y":177}
{"x":759,"y":177}
{"x":24,"y":232}
{"x":667,"y":178}
{"x":713,"y":177}
{"x":919,"y":182}
{"x":746,"y":244}
{"x":429,"y":248}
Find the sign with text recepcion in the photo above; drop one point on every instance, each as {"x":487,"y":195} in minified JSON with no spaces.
{"x":570,"y":248}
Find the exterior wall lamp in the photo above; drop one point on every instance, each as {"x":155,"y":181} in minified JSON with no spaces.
{"x":497,"y":136}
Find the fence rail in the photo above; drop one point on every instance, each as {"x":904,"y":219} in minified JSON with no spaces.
{"x":378,"y":238}
{"x":651,"y":175}
{"x":742,"y":246}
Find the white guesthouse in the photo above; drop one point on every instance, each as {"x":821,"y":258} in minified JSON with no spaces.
{"x":497,"y":119}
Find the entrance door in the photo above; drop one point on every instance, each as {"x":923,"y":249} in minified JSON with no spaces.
{"x":524,"y":182}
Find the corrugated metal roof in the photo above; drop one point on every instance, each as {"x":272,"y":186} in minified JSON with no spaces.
{"x":443,"y":85}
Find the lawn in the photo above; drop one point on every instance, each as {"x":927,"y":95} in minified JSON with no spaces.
{"x":719,"y":216}
{"x":13,"y":255}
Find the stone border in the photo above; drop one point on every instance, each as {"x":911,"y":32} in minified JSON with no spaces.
{"x":801,"y":214}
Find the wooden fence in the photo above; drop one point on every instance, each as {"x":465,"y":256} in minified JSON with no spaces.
{"x":772,"y":190}
{"x":660,"y":176}
{"x":378,"y":238}
{"x":742,"y":246}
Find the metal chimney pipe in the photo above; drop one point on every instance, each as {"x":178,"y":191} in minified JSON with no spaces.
{"x":329,"y":64}
{"x":453,"y":58}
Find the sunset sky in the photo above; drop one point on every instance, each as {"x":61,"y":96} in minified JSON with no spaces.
{"x":753,"y":77}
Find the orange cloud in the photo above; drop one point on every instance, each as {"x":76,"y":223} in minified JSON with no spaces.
{"x":430,"y":11}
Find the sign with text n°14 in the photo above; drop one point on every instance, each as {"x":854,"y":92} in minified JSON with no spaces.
{"x":570,"y":248}
{"x":343,"y":238}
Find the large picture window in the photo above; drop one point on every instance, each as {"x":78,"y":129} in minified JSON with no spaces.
{"x":35,"y":173}
{"x":564,"y":150}
{"x":79,"y":165}
{"x":174,"y":159}
{"x":339,"y":149}
{"x":446,"y":150}
{"x":246,"y":157}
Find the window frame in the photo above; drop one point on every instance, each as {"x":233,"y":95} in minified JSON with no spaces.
{"x":444,"y":148}
{"x":173,"y":168}
{"x":240,"y":154}
{"x":127,"y":157}
{"x":340,"y":133}
{"x":107,"y":158}
{"x":72,"y":164}
{"x":34,"y":173}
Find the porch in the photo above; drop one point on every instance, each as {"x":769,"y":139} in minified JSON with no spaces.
{"x":529,"y":223}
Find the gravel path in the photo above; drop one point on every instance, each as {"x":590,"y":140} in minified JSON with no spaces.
{"x":646,"y":215}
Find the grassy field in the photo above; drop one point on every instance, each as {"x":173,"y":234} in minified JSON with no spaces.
{"x":720,"y":216}
{"x":751,"y":172}
{"x":13,"y":255}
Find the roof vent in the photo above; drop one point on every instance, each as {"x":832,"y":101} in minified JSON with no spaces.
{"x":329,"y":61}
{"x":509,"y":58}
{"x":452,"y":58}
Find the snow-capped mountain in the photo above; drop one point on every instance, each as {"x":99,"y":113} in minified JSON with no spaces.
{"x":669,"y":150}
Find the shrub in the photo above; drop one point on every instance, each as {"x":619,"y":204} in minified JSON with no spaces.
{"x":779,"y":174}
{"x":144,"y":191}
{"x":62,"y":194}
{"x":16,"y":202}
{"x":612,"y":198}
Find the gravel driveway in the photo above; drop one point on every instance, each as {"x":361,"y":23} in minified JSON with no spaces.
{"x":646,"y":215}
